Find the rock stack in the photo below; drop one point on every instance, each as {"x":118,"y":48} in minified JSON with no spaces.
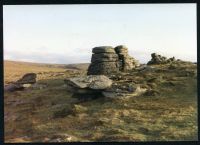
{"x":126,"y":62}
{"x":158,"y":59}
{"x":107,"y":60}
{"x":104,"y":61}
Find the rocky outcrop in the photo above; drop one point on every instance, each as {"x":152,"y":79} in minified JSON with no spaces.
{"x":158,"y":59}
{"x":107,"y":60}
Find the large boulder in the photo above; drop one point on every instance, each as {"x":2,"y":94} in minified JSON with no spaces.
{"x":88,"y":84}
{"x":97,"y":82}
{"x":104,"y":61}
{"x":29,"y":78}
{"x":25,"y":82}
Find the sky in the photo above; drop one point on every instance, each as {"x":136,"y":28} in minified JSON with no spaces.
{"x":66,"y":34}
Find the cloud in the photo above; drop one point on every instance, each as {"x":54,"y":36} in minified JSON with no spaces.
{"x":46,"y":56}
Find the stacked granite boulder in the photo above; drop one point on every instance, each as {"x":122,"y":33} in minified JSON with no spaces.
{"x":107,"y":60}
{"x":126,"y":62}
{"x":158,"y":59}
{"x":104,"y":61}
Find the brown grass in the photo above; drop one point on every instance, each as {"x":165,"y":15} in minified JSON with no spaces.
{"x":45,"y":115}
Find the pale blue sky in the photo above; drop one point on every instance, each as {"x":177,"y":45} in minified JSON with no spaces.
{"x":67,"y":33}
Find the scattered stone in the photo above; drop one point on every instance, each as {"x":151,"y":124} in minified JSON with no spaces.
{"x":133,"y":90}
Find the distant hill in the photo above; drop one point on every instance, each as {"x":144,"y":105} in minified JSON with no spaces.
{"x":79,"y":66}
{"x":13,"y":70}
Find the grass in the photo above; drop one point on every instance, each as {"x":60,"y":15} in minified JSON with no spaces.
{"x":41,"y":115}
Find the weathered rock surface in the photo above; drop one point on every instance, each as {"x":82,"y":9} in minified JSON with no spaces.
{"x":103,"y":68}
{"x":104,"y":61}
{"x":126,"y":62}
{"x":97,"y":82}
{"x":108,"y":60}
{"x":103,"y":49}
{"x":85,"y":85}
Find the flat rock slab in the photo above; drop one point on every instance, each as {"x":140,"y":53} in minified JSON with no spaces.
{"x":95,"y":82}
{"x":103,"y":49}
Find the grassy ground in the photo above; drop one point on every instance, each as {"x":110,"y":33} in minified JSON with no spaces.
{"x":52,"y":115}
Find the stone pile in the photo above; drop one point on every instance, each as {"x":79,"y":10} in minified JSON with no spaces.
{"x":158,"y":59}
{"x":107,"y":60}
